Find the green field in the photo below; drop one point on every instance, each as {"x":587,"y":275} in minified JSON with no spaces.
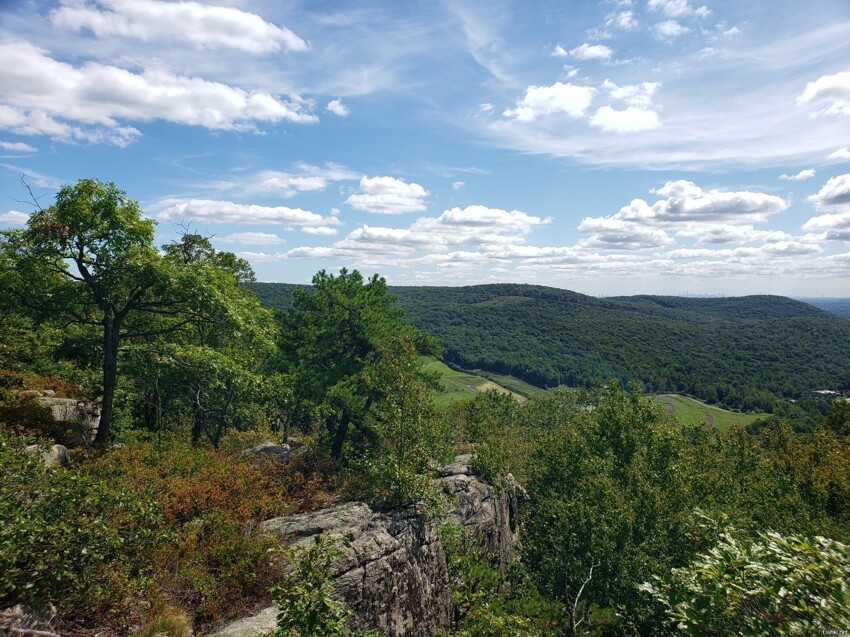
{"x":456,"y":385}
{"x":512,"y":383}
{"x":690,"y":410}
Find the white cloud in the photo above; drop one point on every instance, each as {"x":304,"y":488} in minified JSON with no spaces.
{"x":836,"y":226}
{"x":712,"y":216}
{"x":486,"y":107}
{"x":39,"y":123}
{"x":388,"y":195}
{"x":304,"y":178}
{"x":670,"y":30}
{"x":17,"y":147}
{"x":592,"y":52}
{"x":800,"y":176}
{"x":216,"y":211}
{"x":632,"y":94}
{"x":15,"y":218}
{"x":337,"y":108}
{"x":841,"y":153}
{"x":835,"y":193}
{"x":486,"y":228}
{"x":457,"y":185}
{"x":678,"y":8}
{"x":40,"y":92}
{"x":570,"y":99}
{"x":253,"y":238}
{"x":619,"y":234}
{"x":321,"y":230}
{"x":832,"y":92}
{"x":629,"y":120}
{"x":199,"y":25}
{"x":685,"y":201}
{"x":622,"y":19}
{"x":732,"y":32}
{"x":559,"y":52}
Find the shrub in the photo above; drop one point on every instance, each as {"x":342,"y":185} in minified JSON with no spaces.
{"x":70,"y":540}
{"x":773,"y":585}
{"x":305,"y":596}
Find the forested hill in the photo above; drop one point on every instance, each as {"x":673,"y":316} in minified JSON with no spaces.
{"x":740,"y":351}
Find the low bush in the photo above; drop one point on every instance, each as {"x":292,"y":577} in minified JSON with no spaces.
{"x":71,"y":540}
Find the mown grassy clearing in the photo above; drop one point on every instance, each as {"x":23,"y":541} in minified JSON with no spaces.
{"x":690,"y":410}
{"x":457,"y":385}
{"x":512,"y":383}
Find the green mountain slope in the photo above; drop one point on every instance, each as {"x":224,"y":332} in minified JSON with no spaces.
{"x":739,"y":352}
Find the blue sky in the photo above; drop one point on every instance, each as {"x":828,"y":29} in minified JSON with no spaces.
{"x":644,"y":146}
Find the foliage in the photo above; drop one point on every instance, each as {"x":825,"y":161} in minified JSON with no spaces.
{"x":483,"y":605}
{"x":89,"y":260}
{"x":773,"y":585}
{"x":305,"y":596}
{"x":68,"y":539}
{"x":353,"y":366}
{"x":741,"y":353}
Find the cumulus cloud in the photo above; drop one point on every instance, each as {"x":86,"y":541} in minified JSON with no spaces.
{"x":800,"y":176}
{"x":216,"y":211}
{"x":678,"y":8}
{"x":476,"y":225}
{"x":570,"y":99}
{"x":457,"y":185}
{"x":388,"y":195}
{"x":685,"y":201}
{"x":628,"y":120}
{"x":711,"y":216}
{"x":592,"y":52}
{"x":835,"y":226}
{"x":15,"y":218}
{"x":253,"y":238}
{"x":669,"y":30}
{"x":17,"y":147}
{"x":831,"y":93}
{"x":841,"y":153}
{"x":199,"y":25}
{"x":337,"y":108}
{"x":835,"y":193}
{"x":321,"y":230}
{"x":42,"y":95}
{"x":613,"y":233}
{"x":559,"y":52}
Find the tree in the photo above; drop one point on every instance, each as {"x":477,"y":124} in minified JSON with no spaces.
{"x":773,"y":585}
{"x":89,"y":259}
{"x":350,"y":354}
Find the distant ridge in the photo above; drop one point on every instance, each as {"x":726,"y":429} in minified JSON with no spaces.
{"x":740,"y":352}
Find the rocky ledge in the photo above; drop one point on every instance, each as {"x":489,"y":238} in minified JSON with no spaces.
{"x":393,"y":574}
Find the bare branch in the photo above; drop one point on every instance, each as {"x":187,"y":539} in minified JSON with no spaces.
{"x":33,"y":199}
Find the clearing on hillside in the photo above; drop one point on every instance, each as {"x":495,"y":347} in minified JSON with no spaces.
{"x":690,"y":410}
{"x":457,"y":385}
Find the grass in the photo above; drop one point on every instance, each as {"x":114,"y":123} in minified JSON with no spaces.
{"x":690,"y":410}
{"x":512,"y":383}
{"x":457,"y":385}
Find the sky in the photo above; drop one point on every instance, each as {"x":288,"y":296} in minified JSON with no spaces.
{"x":613,"y":147}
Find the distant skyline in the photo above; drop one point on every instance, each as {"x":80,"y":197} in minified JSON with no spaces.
{"x":613,"y":147}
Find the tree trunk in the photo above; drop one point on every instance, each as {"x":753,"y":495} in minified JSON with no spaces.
{"x":110,"y":375}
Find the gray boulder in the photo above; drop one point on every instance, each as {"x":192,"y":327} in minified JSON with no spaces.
{"x":393,"y":572}
{"x":57,"y":455}
{"x":271,"y":449}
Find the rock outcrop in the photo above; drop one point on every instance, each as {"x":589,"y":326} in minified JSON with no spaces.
{"x":56,"y":455}
{"x":393,"y":574}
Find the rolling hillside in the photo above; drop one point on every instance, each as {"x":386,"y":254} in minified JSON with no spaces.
{"x":740,"y":352}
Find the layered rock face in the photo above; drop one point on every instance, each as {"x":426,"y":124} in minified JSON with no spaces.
{"x":393,"y":575}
